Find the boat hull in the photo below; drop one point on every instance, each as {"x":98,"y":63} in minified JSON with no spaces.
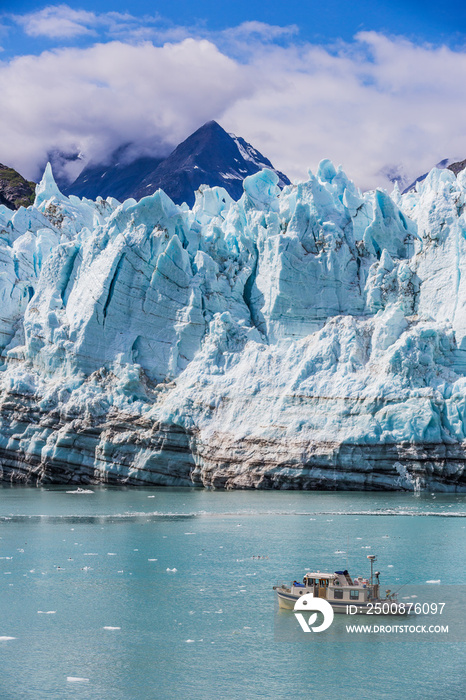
{"x":285,"y":603}
{"x":287,"y":600}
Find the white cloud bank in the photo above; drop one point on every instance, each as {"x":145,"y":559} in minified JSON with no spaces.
{"x":376,"y":102}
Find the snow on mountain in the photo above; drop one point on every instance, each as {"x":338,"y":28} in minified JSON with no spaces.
{"x":308,"y":338}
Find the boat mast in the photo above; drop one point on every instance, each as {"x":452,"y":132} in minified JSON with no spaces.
{"x":372,"y":558}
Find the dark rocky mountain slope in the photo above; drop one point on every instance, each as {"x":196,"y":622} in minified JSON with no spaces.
{"x":210,"y":156}
{"x":15,"y":191}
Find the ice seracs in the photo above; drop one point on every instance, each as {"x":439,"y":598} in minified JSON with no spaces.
{"x":310,"y":337}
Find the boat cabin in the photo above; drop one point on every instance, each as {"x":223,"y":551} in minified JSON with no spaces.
{"x":337,"y":587}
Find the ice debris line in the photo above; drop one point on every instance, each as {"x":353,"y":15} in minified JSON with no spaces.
{"x":308,"y":338}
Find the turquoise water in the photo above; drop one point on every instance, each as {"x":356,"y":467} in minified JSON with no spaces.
{"x":90,"y":561}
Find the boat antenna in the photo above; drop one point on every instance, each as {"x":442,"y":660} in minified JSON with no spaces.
{"x":347,"y":547}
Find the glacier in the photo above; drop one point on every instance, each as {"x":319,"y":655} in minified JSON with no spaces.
{"x":312,"y":337}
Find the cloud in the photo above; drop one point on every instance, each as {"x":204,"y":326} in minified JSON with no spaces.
{"x":57,"y":22}
{"x":373,"y":103}
{"x":92,"y":100}
{"x":64,"y":22}
{"x":266,"y":32}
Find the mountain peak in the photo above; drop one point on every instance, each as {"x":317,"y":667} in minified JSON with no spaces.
{"x":212,"y":124}
{"x":209,"y":156}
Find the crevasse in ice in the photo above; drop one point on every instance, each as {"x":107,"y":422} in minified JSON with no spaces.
{"x":308,"y":338}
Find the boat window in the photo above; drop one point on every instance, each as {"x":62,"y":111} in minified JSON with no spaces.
{"x":338,"y":595}
{"x":336,"y":582}
{"x":354,"y":595}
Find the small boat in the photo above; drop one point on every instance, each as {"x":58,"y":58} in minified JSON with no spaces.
{"x":358,"y":596}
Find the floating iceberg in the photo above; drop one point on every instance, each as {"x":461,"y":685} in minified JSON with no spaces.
{"x":313,"y":337}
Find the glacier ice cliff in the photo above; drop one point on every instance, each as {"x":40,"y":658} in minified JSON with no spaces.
{"x":313,"y":337}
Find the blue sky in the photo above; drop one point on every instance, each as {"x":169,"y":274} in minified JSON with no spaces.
{"x":317,"y":21}
{"x":376,"y":86}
